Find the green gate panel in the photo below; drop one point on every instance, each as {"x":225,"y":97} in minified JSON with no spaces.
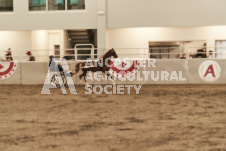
{"x":73,"y":2}
{"x":35,"y":2}
{"x":43,"y":2}
{"x":59,"y":2}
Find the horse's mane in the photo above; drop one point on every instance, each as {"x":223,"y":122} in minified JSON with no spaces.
{"x":104,"y":56}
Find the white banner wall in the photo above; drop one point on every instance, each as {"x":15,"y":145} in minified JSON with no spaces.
{"x":195,"y":71}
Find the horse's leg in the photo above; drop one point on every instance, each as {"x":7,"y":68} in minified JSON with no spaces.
{"x":85,"y":74}
{"x":109,"y":76}
{"x":85,"y":77}
{"x":80,"y":76}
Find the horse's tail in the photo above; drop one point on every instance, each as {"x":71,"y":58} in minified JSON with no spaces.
{"x":78,"y":67}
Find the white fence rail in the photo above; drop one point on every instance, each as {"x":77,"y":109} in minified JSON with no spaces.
{"x":158,"y":53}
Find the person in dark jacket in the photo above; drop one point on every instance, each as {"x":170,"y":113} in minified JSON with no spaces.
{"x":183,"y":56}
{"x":69,"y":56}
{"x":31,"y":57}
{"x":201,"y":53}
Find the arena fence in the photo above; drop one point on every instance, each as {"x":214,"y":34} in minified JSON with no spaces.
{"x":173,"y":71}
{"x":91,"y":52}
{"x":169,"y":68}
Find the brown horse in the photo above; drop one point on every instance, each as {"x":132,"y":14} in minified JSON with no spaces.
{"x":103,"y":65}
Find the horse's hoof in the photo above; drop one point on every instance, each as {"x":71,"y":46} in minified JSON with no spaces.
{"x":53,"y":85}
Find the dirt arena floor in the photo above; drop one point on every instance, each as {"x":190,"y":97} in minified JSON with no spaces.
{"x":160,"y":118}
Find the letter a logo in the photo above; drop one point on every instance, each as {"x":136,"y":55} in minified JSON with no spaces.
{"x":54,"y":73}
{"x":209,"y":71}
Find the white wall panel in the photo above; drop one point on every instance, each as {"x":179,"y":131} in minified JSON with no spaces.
{"x":40,"y":44}
{"x":9,"y":39}
{"x":17,"y":41}
{"x":139,"y":37}
{"x":33,"y":72}
{"x":164,"y":13}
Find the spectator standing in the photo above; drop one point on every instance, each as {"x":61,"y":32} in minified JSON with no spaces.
{"x":53,"y":66}
{"x":211,"y":54}
{"x":183,"y":56}
{"x":68,"y":56}
{"x":51,"y":61}
{"x":8,"y":55}
{"x":31,"y":57}
{"x":201,"y":53}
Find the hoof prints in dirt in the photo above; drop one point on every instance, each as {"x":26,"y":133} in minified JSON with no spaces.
{"x":125,"y":129}
{"x":23,"y":121}
{"x":68,"y":133}
{"x":174,"y":117}
{"x":75,"y":132}
{"x":135,"y":120}
{"x":18,"y":140}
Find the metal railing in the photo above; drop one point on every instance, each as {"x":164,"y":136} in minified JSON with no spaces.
{"x":43,"y":55}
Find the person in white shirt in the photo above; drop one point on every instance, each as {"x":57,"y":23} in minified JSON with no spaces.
{"x":211,"y":54}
